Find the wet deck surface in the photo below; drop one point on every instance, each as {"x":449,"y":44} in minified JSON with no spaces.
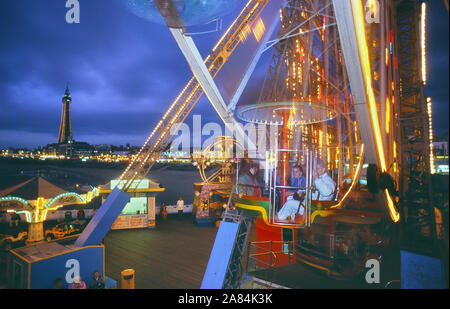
{"x":174,"y":255}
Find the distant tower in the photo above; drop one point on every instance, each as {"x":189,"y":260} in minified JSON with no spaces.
{"x":65,"y":129}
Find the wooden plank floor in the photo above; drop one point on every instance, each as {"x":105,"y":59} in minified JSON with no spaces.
{"x":174,"y":255}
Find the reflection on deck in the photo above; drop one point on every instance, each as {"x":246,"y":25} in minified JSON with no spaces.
{"x":174,"y":255}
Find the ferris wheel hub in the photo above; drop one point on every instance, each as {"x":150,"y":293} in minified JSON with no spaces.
{"x":272,"y":113}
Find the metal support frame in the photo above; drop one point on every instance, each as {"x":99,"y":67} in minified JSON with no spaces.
{"x":235,"y":269}
{"x":192,"y":55}
{"x":162,"y":134}
{"x":249,"y":71}
{"x":306,"y":64}
{"x":412,"y":139}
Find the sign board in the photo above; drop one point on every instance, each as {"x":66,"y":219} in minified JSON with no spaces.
{"x":137,"y":184}
{"x":130,"y":222}
{"x":151,"y":209}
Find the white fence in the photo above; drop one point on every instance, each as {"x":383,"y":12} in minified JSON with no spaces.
{"x":59,"y":215}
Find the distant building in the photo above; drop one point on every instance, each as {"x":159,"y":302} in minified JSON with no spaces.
{"x":121,"y":153}
{"x":440,"y":152}
{"x":72,"y":148}
{"x":66,"y":144}
{"x":102,"y":147}
{"x":440,"y":148}
{"x":65,"y":128}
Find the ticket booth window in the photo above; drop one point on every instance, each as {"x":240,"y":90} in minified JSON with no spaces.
{"x":137,"y":205}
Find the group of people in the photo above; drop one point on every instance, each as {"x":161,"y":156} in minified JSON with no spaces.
{"x":325,"y":187}
{"x":97,"y":282}
{"x":251,"y":185}
{"x":180,"y":208}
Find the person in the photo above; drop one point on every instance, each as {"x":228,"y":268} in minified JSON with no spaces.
{"x":78,"y":284}
{"x":180,"y":207}
{"x":80,"y":214}
{"x":298,"y":180}
{"x":14,"y":224}
{"x":293,"y":205}
{"x":68,"y":216}
{"x":438,"y":220}
{"x":163,"y":211}
{"x":58,"y":284}
{"x":248,"y":179}
{"x":97,"y":282}
{"x":14,"y":220}
{"x":324,"y":184}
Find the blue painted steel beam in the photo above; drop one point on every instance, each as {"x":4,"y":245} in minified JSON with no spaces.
{"x":103,"y":219}
{"x":220,"y":256}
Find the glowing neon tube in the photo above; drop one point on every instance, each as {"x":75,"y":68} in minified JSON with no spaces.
{"x":360,"y":31}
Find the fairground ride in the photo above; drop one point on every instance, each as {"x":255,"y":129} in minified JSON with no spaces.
{"x":345,"y":87}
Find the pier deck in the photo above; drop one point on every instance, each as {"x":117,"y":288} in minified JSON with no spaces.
{"x":173,"y":255}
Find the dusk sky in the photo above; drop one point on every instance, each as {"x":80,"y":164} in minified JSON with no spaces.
{"x":123,"y":71}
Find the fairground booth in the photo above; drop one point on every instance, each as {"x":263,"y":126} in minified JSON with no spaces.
{"x":140,"y":211}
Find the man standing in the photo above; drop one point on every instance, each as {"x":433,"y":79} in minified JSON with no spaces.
{"x":180,"y":206}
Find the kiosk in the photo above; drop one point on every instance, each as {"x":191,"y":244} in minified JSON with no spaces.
{"x":140,"y":211}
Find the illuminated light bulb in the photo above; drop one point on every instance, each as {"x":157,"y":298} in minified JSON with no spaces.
{"x":430,"y":135}
{"x":423,"y":42}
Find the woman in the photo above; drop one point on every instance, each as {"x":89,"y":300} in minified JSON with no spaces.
{"x":248,"y":181}
{"x":164,"y":211}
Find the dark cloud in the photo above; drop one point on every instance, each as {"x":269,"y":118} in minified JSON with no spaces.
{"x":123,"y":71}
{"x":437,"y":65}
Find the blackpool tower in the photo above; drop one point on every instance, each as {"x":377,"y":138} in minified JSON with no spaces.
{"x":65,"y":129}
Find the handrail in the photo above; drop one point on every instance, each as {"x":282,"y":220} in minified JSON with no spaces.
{"x":276,"y":187}
{"x":271,"y":241}
{"x":274,"y":253}
{"x":268,"y":251}
{"x":389,"y":283}
{"x":268,"y":264}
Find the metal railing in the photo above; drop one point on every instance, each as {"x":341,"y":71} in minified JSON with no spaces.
{"x":255,"y":259}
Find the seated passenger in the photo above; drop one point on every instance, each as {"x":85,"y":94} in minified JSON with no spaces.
{"x":298,"y":180}
{"x":293,"y":205}
{"x":249,"y":184}
{"x":97,"y":282}
{"x":78,"y":284}
{"x":324,"y":184}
